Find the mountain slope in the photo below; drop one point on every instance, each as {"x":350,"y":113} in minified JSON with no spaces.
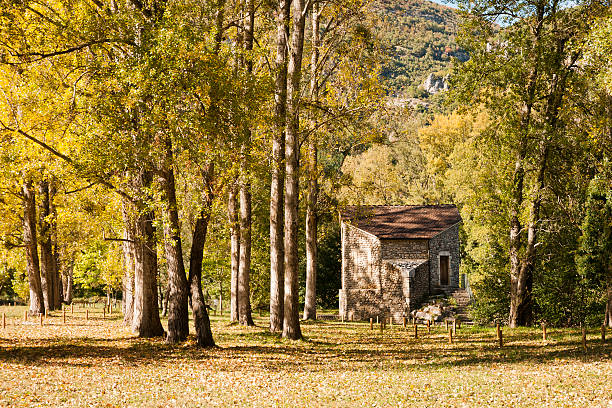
{"x":419,"y":37}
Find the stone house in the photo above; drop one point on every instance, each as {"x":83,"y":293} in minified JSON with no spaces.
{"x":393,"y":257}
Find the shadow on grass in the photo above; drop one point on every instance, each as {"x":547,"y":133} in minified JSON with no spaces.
{"x":395,"y":350}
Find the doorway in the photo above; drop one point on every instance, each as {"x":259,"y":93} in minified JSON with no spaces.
{"x":444,"y":269}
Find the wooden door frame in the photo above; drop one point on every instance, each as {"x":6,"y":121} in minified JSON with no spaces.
{"x":440,"y":255}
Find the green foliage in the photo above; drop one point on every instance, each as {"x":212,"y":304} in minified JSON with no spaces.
{"x":420,"y":39}
{"x":329,"y":266}
{"x":21,"y":286}
{"x":97,"y":270}
{"x":6,"y":282}
{"x":594,"y":258}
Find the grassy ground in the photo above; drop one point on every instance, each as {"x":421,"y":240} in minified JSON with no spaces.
{"x":99,"y":363}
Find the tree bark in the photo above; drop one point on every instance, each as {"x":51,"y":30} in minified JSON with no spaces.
{"x":608,"y":315}
{"x":58,"y":294}
{"x":47,"y":270}
{"x":145,"y":320}
{"x":232,"y":209}
{"x":198,"y":305}
{"x":244,"y":271}
{"x":291,"y":322}
{"x":310,"y":301}
{"x":278,"y":175}
{"x":37,"y":304}
{"x":520,"y":277}
{"x":129,"y":260}
{"x":178,"y":314}
{"x":67,"y":284}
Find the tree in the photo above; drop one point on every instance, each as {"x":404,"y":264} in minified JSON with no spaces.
{"x":244,"y":270}
{"x":291,"y":322}
{"x":523,"y":75}
{"x":595,"y":259}
{"x":277,"y":184}
{"x":37,"y":305}
{"x":310,"y":301}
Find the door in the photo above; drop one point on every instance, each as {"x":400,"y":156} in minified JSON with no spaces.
{"x":444,"y":269}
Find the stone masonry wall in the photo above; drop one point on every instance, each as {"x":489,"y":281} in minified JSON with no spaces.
{"x":419,"y":286}
{"x":447,"y":241}
{"x":373,"y":286}
{"x":404,"y":248}
{"x":360,"y":296}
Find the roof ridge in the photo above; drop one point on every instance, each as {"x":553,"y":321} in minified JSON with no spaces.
{"x":403,"y":221}
{"x":403,"y":205}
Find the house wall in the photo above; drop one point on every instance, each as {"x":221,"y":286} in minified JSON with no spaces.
{"x":360,"y":296}
{"x":419,"y":286}
{"x":403,"y":290}
{"x":445,"y":243}
{"x":404,"y":248}
{"x":372,"y":287}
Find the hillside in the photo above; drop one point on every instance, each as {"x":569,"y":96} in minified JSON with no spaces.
{"x":420,"y":38}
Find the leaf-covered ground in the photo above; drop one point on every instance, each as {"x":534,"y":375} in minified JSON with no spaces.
{"x":99,"y":363}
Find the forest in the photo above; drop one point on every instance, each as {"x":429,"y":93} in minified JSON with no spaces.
{"x":188,"y":156}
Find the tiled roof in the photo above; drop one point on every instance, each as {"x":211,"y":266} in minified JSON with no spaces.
{"x":403,"y":221}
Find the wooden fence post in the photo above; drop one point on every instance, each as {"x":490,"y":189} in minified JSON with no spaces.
{"x":391,"y":321}
{"x":428,"y":326}
{"x":72,"y":308}
{"x":86,"y":314}
{"x":64,"y":315}
{"x":459,"y":323}
{"x":25,"y":316}
{"x":544,"y":334}
{"x":371,"y":324}
{"x":404,"y":321}
{"x":500,"y":337}
{"x":446,"y":323}
{"x":104,"y":312}
{"x":416,"y":331}
{"x":382,"y":324}
{"x":41,"y":319}
{"x":584,"y":341}
{"x":603,"y":333}
{"x":455,"y":327}
{"x":450,"y":336}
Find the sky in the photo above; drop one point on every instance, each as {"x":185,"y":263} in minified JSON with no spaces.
{"x":449,"y":3}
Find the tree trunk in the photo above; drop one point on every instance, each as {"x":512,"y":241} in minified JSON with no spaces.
{"x":164,"y":300}
{"x":58,"y":294}
{"x":232,"y":209}
{"x":608,"y":316}
{"x":310,"y":301}
{"x":178,"y":314}
{"x":244,"y":271}
{"x":520,"y":278}
{"x":291,"y":322}
{"x":145,"y":320}
{"x":37,"y":304}
{"x":278,"y":175}
{"x":67,"y":285}
{"x":47,"y":270}
{"x":129,"y":259}
{"x":198,"y":305}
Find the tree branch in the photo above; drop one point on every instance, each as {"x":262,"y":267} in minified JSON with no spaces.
{"x":69,"y":160}
{"x":40,"y":55}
